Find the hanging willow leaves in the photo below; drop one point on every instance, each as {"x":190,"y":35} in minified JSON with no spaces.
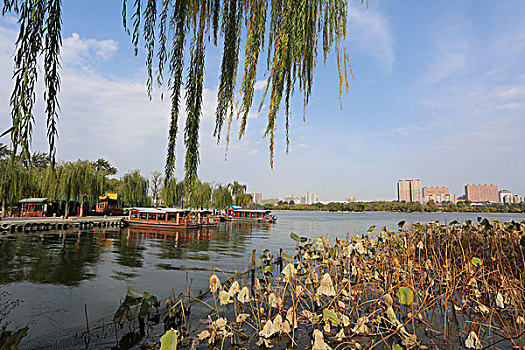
{"x":176,"y":67}
{"x":290,"y":31}
{"x":230,"y":60}
{"x":194,"y":100}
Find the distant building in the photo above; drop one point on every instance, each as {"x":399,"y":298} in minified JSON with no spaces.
{"x":270,"y":201}
{"x":505,"y":196}
{"x":309,"y":198}
{"x":482,"y":193}
{"x":440,"y":198}
{"x":257,"y":198}
{"x":429,"y":191}
{"x":350,"y":199}
{"x":292,"y":198}
{"x":409,"y":191}
{"x":312,"y":198}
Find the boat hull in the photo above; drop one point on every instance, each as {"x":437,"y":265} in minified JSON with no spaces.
{"x":230,"y":218}
{"x":160,"y":225}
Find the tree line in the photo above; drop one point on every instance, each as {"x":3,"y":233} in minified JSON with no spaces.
{"x":396,"y":206}
{"x":82,"y":181}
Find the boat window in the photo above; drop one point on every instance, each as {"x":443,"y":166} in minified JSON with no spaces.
{"x":172,"y":217}
{"x":161,"y":217}
{"x":134,"y":214}
{"x":143,"y":216}
{"x":152,"y":216}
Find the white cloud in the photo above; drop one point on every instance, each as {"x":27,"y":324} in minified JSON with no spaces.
{"x":510,"y":106}
{"x":369,"y":32}
{"x":260,"y":85}
{"x":77,"y":50}
{"x":410,"y":129}
{"x":445,"y":65}
{"x":510,"y":92}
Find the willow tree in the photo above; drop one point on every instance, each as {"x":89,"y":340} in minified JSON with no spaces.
{"x":16,"y":182}
{"x":172,"y":193}
{"x":222,"y":196}
{"x":289,"y":32}
{"x":200,"y":196}
{"x":72,"y":181}
{"x":133,"y":190}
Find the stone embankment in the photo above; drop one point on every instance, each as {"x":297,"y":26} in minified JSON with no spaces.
{"x":48,"y":224}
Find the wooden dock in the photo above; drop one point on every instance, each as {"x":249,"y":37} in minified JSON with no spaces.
{"x":49,"y":224}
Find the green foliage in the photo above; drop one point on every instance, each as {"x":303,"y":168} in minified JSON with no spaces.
{"x":40,"y":160}
{"x":476,"y":261}
{"x":268,"y":269}
{"x":297,"y":238}
{"x":133,"y":190}
{"x":10,"y":341}
{"x":144,"y":302}
{"x":16,"y":181}
{"x":403,"y":207}
{"x":200,"y":197}
{"x":172,"y":193}
{"x":330,"y":316}
{"x":405,"y":295}
{"x":156,"y":182}
{"x":169,"y":340}
{"x":104,"y":166}
{"x":222,"y":196}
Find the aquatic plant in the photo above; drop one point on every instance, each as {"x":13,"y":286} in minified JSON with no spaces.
{"x":421,"y":286}
{"x":136,"y":305}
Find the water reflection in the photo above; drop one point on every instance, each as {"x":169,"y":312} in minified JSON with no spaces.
{"x":63,"y":259}
{"x":68,"y":258}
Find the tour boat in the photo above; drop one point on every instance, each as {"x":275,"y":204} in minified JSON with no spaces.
{"x":207,"y":218}
{"x":233,"y":212}
{"x":161,"y":218}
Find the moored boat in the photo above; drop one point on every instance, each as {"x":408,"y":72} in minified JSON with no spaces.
{"x":236,"y":213}
{"x":207,"y":218}
{"x":161,"y":218}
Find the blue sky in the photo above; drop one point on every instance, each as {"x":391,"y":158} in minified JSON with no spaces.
{"x":438,"y":94}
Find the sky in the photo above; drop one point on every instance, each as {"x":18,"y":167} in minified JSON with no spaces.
{"x":438,"y":94}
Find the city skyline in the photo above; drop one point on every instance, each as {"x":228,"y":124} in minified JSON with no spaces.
{"x":438,"y":93}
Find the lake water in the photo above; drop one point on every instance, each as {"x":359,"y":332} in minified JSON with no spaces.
{"x":56,"y":276}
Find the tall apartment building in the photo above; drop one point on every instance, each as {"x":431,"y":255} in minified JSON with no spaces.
{"x":310,"y":198}
{"x":440,"y":198}
{"x":482,"y":193}
{"x":257,"y":198}
{"x":409,"y":191}
{"x":430,"y":191}
{"x":517,"y":199}
{"x":507,"y":197}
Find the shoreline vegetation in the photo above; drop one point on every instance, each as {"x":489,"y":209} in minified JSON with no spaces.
{"x":398,"y":207}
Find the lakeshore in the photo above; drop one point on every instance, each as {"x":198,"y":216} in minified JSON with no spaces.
{"x":34,"y":224}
